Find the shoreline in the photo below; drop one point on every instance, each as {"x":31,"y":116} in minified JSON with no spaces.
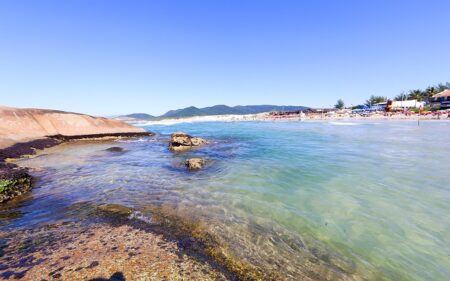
{"x":265,"y":117}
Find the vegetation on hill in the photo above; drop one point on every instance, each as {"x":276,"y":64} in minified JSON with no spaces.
{"x":224,"y":109}
{"x":217,"y":110}
{"x":139,"y":116}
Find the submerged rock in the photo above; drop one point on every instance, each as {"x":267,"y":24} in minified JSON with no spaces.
{"x":195,"y":163}
{"x":180,"y":141}
{"x":115,"y":149}
{"x":115,"y":209}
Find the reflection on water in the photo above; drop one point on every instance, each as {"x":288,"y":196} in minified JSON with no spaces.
{"x":318,"y":200}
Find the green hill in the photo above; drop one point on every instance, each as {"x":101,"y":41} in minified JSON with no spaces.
{"x":217,"y":110}
{"x":139,"y":116}
{"x":224,"y":109}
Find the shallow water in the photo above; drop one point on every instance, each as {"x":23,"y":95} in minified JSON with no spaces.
{"x":316,"y":199}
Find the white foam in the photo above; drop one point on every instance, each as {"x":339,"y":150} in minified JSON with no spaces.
{"x":133,"y":140}
{"x":209,"y":118}
{"x":344,"y":124}
{"x":136,"y":215}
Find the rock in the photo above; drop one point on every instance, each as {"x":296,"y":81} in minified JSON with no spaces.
{"x":195,"y":163}
{"x":115,"y":209}
{"x":13,"y":182}
{"x":198,"y":141}
{"x":18,"y":125}
{"x":115,"y":149}
{"x":180,"y":141}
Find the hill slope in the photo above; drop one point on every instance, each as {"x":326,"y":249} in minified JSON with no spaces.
{"x":224,"y":109}
{"x":138,"y":116}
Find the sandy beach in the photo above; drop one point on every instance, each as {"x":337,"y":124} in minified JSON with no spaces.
{"x":267,"y":117}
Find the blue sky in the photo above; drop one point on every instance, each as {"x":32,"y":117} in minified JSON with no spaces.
{"x":113,"y":57}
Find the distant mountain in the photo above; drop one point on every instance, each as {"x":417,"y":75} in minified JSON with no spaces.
{"x":184,"y":112}
{"x":216,"y":110}
{"x":224,"y":109}
{"x":138,"y":116}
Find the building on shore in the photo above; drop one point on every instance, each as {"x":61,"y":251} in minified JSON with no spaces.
{"x":441,"y":99}
{"x":393,"y":105}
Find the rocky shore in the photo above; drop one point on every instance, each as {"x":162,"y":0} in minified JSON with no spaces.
{"x":23,"y":131}
{"x":114,"y":247}
{"x":112,"y":244}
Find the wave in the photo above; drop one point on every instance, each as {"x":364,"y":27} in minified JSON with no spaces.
{"x":163,"y":122}
{"x":135,"y":140}
{"x":344,"y":124}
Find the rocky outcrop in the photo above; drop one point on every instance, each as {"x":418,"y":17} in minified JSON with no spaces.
{"x":195,"y":163}
{"x":23,"y":131}
{"x":15,"y":181}
{"x":19,"y":125}
{"x":180,"y":141}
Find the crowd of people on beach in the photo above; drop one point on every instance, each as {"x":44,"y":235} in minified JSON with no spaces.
{"x":330,"y":114}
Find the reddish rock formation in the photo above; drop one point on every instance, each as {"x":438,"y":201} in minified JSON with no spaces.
{"x":23,"y":131}
{"x":26,"y":124}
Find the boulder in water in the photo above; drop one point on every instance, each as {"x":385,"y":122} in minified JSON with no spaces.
{"x":195,"y":163}
{"x":115,"y":149}
{"x":180,"y":141}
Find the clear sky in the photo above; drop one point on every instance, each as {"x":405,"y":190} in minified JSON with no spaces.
{"x":114,"y":57}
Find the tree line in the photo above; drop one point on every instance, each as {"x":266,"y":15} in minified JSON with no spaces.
{"x":416,"y":94}
{"x":422,"y":95}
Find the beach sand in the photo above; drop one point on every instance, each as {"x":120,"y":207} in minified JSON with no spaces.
{"x":266,"y":117}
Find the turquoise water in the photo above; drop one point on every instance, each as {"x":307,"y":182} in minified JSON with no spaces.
{"x":319,"y":199}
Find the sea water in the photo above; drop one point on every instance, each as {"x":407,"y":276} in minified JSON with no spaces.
{"x":342,"y":200}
